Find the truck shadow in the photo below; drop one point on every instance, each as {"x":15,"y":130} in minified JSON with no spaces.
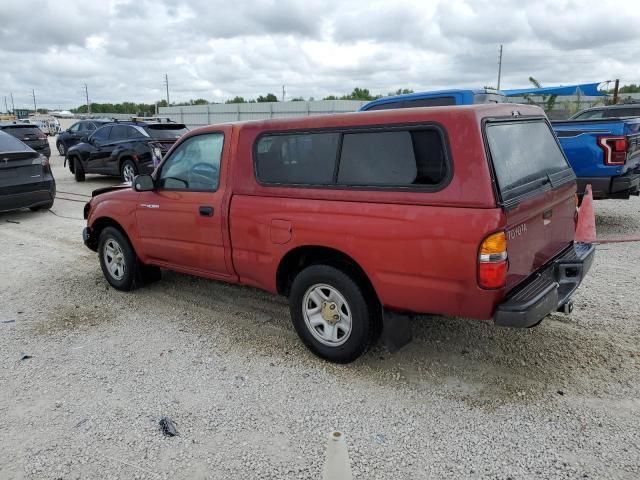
{"x":473,"y":361}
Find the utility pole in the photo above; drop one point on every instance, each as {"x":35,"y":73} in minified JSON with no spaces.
{"x":615,"y":91}
{"x":283,"y":92}
{"x":13,"y":107}
{"x":86,"y":94}
{"x":35,"y":108}
{"x":499,"y":66}
{"x":166,"y":82}
{"x":6,"y":107}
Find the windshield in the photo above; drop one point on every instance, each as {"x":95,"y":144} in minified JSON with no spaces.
{"x":525,"y":154}
{"x":168,"y":131}
{"x":21,"y":131}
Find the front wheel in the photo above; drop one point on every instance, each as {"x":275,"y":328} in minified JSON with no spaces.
{"x":61,"y":149}
{"x":117,"y":259}
{"x":332,"y":313}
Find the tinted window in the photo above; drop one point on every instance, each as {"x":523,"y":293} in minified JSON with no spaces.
{"x":622,"y":112}
{"x":87,"y":127}
{"x":101,"y":134}
{"x":75,"y":127}
{"x":306,"y":158}
{"x":22,"y":131}
{"x":169,"y":131}
{"x":396,"y":158}
{"x":590,"y":114}
{"x":133,"y":132}
{"x":524,"y":155}
{"x":194,"y":164}
{"x":9,"y":143}
{"x":118,"y":132}
{"x":418,"y":102}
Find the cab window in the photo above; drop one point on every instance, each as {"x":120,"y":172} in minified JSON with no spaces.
{"x":101,"y":134}
{"x":194,"y":165}
{"x":75,"y":127}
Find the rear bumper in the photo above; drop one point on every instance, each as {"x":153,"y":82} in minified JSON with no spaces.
{"x":35,"y":198}
{"x":547,"y":290}
{"x":622,"y":186}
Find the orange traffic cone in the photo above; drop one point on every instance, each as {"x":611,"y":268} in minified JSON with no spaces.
{"x":586,"y":226}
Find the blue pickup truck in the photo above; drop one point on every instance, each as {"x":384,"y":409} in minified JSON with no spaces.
{"x":603,"y":152}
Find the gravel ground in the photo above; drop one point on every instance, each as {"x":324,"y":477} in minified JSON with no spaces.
{"x":463,"y":400}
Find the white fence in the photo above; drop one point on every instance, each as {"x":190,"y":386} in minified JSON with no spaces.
{"x":199,"y":115}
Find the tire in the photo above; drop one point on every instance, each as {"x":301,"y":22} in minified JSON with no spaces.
{"x":46,"y":206}
{"x":61,"y":148}
{"x":78,"y":170}
{"x":332,"y":293}
{"x":128,"y":170}
{"x":117,"y":259}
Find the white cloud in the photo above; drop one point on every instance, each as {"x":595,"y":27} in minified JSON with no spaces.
{"x":217,"y":49}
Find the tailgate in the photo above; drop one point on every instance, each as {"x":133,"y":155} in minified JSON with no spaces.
{"x":536,"y":187}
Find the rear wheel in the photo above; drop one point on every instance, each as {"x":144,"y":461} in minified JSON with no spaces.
{"x":117,"y":259}
{"x":61,"y":148}
{"x":332,"y":313}
{"x":128,"y":171}
{"x":78,"y":170}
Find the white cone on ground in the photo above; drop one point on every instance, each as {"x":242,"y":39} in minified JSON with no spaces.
{"x":336,"y":465}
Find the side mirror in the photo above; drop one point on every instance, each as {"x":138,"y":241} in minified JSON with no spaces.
{"x":84,"y":139}
{"x":143,"y":183}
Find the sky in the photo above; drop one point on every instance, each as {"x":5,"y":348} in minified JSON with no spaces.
{"x":121,"y":49}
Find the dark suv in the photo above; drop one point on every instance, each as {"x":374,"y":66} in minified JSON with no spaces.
{"x":29,"y":134}
{"x":76,"y":132}
{"x":610,"y":111}
{"x":124,"y":149}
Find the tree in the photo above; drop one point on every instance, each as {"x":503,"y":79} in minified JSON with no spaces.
{"x":330,"y":97}
{"x":269,"y":97}
{"x":360,"y":94}
{"x":199,"y":101}
{"x":400,"y":91}
{"x":548,"y":101}
{"x":236,"y":99}
{"x":297,"y":99}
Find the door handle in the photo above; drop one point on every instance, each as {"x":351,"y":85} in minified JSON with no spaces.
{"x":206,"y":211}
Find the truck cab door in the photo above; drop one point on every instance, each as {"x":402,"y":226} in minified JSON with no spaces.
{"x":181,"y":222}
{"x":98,"y":145}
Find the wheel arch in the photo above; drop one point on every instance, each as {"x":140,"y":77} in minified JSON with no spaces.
{"x":297,"y":259}
{"x":99,"y":224}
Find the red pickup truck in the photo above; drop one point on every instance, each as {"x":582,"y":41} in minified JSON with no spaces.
{"x":464,"y":211}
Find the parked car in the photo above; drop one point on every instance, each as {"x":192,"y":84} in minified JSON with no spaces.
{"x":29,"y":134}
{"x":604,"y":153}
{"x":124,"y":149}
{"x":465,"y":211}
{"x":76,"y":132}
{"x":26,"y":180}
{"x":438,"y":98}
{"x":609,"y":111}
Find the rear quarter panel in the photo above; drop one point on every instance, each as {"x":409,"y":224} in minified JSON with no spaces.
{"x":579,"y":142}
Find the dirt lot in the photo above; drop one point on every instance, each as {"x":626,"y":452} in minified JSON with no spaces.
{"x":464,"y":400}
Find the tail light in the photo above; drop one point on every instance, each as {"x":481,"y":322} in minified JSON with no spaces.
{"x":615,"y":150}
{"x":41,"y":160}
{"x":42,"y":136}
{"x":492,"y":261}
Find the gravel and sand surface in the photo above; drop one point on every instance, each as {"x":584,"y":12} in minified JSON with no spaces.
{"x":464,"y":400}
